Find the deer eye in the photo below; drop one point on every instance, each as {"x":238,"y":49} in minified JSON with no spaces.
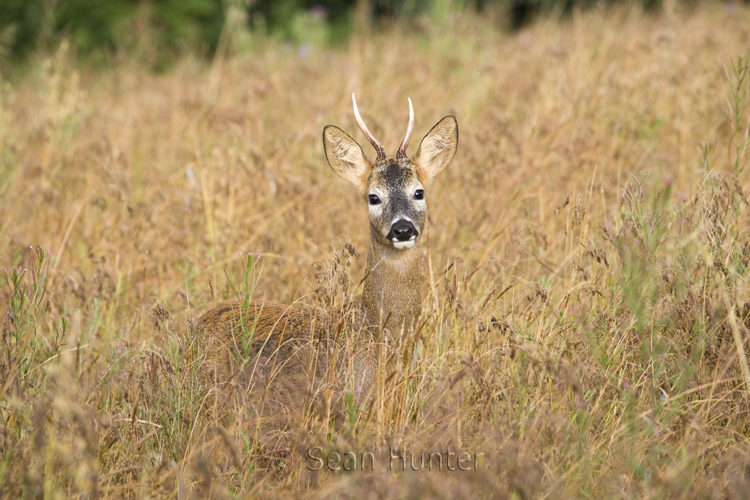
{"x":374,"y":200}
{"x":419,"y":194}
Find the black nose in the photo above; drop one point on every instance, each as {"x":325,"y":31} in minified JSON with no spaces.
{"x":403,"y":230}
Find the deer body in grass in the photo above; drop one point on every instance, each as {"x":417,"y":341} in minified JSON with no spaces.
{"x":283,"y":337}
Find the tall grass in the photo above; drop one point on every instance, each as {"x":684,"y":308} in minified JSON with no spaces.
{"x":585,"y":318}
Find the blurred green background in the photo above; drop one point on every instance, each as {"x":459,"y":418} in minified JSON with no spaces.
{"x":166,"y":27}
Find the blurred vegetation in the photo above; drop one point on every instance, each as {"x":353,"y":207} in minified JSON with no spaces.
{"x":587,"y":279}
{"x":110,"y":25}
{"x":169,"y":26}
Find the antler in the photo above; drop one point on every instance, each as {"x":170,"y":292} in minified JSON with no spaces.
{"x":378,"y":147}
{"x":409,"y":128}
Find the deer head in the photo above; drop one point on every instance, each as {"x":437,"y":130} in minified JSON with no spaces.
{"x":395,"y":189}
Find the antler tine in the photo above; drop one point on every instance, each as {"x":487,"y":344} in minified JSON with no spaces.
{"x":378,"y":147}
{"x":409,"y":129}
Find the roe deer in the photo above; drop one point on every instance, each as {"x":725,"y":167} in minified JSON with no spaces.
{"x":292,"y":345}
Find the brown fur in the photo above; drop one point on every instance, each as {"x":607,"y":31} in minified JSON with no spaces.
{"x":265,"y":346}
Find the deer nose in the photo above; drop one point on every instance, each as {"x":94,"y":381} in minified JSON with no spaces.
{"x":404,"y":230}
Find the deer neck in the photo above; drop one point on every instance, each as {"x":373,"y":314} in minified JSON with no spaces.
{"x":391,"y":296}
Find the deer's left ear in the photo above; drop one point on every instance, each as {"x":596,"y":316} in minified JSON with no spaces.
{"x":436,"y":150}
{"x":346,"y":157}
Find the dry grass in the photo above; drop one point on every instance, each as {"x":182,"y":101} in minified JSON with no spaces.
{"x":585,"y":318}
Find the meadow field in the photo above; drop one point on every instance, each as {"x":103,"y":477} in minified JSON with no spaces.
{"x":584,"y":329}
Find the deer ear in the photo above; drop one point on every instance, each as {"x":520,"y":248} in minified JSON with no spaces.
{"x":436,"y":150}
{"x":346,"y":158}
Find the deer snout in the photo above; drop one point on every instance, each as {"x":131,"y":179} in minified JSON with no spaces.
{"x":403,"y":230}
{"x":403,"y":233}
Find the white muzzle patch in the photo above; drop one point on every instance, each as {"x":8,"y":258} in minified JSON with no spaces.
{"x":401,"y":245}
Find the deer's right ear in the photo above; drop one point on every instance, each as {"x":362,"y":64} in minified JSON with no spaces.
{"x":346,"y":158}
